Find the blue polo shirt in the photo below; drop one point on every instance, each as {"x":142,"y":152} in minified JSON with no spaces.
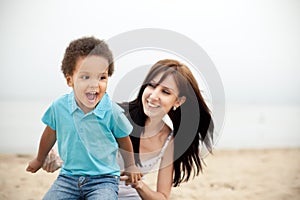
{"x":86,"y":142}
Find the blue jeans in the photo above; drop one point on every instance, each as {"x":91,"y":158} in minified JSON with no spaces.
{"x":102,"y":187}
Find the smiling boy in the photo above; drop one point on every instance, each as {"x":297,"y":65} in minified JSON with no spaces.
{"x":87,"y":126}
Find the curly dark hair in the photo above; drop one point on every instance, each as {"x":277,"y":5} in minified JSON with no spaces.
{"x":82,"y":47}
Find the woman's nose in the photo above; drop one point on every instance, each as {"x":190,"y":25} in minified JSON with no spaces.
{"x":154,"y":94}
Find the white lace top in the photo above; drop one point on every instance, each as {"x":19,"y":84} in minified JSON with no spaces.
{"x":129,"y":193}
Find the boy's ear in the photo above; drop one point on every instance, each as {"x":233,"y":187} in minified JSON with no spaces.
{"x":69,"y":81}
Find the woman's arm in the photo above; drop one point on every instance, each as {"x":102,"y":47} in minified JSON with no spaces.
{"x":47,"y":141}
{"x":164,"y":184}
{"x":164,"y":179}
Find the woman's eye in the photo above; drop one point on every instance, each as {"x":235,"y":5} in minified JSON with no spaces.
{"x":166,"y":92}
{"x":151,"y":85}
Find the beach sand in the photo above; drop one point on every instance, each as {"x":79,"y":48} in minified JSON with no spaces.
{"x":264,"y":174}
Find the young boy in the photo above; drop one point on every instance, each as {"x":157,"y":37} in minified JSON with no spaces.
{"x":88,"y":128}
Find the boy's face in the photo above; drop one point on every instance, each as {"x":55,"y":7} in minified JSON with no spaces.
{"x":89,"y":81}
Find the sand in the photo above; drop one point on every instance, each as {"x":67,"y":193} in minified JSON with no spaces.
{"x":265,"y":174}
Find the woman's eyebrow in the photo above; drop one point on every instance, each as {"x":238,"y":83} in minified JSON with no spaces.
{"x":165,"y":87}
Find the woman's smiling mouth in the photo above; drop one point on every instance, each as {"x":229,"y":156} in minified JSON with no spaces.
{"x":151,"y":105}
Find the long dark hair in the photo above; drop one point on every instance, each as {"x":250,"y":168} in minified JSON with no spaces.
{"x":192,"y":121}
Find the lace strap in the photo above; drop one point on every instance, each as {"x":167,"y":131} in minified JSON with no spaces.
{"x":163,"y":149}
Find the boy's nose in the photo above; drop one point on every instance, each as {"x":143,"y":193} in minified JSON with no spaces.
{"x":94,"y":83}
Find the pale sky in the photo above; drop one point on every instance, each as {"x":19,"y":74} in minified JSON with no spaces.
{"x":255,"y":45}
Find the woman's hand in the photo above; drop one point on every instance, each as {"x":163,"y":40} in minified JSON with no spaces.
{"x":52,"y":162}
{"x":138,"y":185}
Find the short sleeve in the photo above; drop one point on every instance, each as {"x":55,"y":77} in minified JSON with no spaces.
{"x":121,"y":126}
{"x":49,"y":117}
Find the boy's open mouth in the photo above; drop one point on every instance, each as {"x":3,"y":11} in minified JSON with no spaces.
{"x":91,"y":96}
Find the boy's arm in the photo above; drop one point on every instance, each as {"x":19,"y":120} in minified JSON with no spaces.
{"x":126,"y":150}
{"x":47,"y":141}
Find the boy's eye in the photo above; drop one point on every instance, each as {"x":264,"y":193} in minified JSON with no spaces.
{"x":85,"y":77}
{"x":103,"y":77}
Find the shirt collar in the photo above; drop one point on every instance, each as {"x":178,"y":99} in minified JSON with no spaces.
{"x":100,"y":110}
{"x":72,"y":103}
{"x":103,"y":106}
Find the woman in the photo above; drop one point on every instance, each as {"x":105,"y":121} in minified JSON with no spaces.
{"x":169,"y":89}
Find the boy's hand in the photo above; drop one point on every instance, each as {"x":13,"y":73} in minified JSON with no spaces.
{"x":133,"y":174}
{"x":34,"y":166}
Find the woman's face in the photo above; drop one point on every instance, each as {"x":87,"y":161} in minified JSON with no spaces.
{"x":159,"y":99}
